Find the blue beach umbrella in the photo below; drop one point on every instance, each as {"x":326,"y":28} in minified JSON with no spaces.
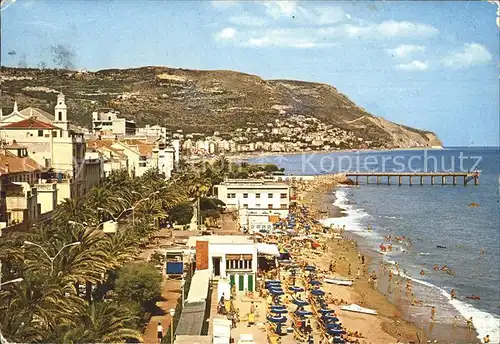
{"x":310,"y":268}
{"x":334,"y":332}
{"x":277,"y":319}
{"x":303,"y":313}
{"x":300,"y":303}
{"x":277,"y":292}
{"x":330,"y":318}
{"x":318,"y":292}
{"x":315,"y":282}
{"x":326,"y":311}
{"x":279,"y":311}
{"x":296,"y":289}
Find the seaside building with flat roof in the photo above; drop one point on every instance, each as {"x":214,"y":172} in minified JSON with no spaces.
{"x":232,"y":257}
{"x":255,"y":200}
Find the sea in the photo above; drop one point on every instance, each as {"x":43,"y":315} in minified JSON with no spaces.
{"x":464,"y":221}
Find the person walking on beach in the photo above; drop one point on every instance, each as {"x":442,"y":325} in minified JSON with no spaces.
{"x":433,"y":313}
{"x":358,"y":274}
{"x":363,"y":260}
{"x":470,"y":325}
{"x":159,"y":330}
{"x":486,"y":339}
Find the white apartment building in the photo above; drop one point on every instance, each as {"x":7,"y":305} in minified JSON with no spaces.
{"x":153,"y":131}
{"x":228,"y":256}
{"x":253,"y":194}
{"x":106,"y":122}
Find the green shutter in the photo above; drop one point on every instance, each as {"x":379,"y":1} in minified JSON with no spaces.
{"x":241,"y":282}
{"x":250,"y":282}
{"x":231,"y":280}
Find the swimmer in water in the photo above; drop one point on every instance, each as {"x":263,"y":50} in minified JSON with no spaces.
{"x":453,"y":294}
{"x":433,"y":313}
{"x":422,"y":272}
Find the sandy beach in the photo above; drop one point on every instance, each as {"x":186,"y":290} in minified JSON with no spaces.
{"x":389,"y":298}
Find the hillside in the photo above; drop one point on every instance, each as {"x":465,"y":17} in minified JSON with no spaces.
{"x":200,"y":101}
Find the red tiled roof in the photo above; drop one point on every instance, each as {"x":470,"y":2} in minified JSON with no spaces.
{"x":29,"y":123}
{"x":11,"y":163}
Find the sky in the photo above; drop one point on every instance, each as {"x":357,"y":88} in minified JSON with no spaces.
{"x":433,"y":65}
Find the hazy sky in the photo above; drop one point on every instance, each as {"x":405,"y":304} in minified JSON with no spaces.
{"x":432,"y":65}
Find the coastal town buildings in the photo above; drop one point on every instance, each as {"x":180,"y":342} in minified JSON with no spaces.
{"x":136,"y":156}
{"x":25,"y":194}
{"x":53,"y":142}
{"x":106,"y":122}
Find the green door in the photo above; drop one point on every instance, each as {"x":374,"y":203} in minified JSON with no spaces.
{"x":231,"y":280}
{"x":250,"y":282}
{"x":241,"y":282}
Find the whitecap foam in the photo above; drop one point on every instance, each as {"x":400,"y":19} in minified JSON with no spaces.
{"x":353,"y":216}
{"x":484,"y":322}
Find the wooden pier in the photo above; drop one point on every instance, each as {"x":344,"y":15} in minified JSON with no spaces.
{"x":443,"y":177}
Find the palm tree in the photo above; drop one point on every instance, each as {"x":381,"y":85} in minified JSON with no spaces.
{"x":31,"y":309}
{"x":102,"y":322}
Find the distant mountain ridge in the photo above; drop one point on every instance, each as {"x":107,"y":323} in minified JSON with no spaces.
{"x":200,"y":101}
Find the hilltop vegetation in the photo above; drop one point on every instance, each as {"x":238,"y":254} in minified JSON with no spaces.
{"x":200,"y":101}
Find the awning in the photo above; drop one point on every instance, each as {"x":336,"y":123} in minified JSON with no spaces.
{"x":198,"y":291}
{"x":268,"y":249}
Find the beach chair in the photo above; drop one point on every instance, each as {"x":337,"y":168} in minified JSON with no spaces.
{"x":299,"y":335}
{"x":273,"y":338}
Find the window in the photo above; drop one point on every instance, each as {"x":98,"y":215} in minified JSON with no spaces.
{"x":283,"y":195}
{"x":269,"y":206}
{"x":269,"y":195}
{"x":257,"y":195}
{"x":257,"y":205}
{"x":40,"y":133}
{"x":54,"y":133}
{"x":231,"y":195}
{"x":245,"y":195}
{"x":284,"y":206}
{"x":245,"y":206}
{"x":60,"y":115}
{"x":239,"y":264}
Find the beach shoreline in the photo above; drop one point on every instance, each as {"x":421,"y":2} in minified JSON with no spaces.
{"x":393,"y":308}
{"x":254,"y":155}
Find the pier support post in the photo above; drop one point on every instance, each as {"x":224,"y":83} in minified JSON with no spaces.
{"x":454,"y":180}
{"x":357,"y":180}
{"x":465,"y":180}
{"x":421,"y":180}
{"x":476,"y":180}
{"x":443,"y":180}
{"x":388,"y":180}
{"x":432,"y":180}
{"x":378,"y":180}
{"x":367,"y":180}
{"x":410,"y":181}
{"x":400,"y":180}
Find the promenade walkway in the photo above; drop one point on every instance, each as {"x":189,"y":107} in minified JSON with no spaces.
{"x":171,"y":290}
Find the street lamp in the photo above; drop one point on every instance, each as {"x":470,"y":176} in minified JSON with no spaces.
{"x":11,"y":281}
{"x":51,"y":258}
{"x":172,"y":313}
